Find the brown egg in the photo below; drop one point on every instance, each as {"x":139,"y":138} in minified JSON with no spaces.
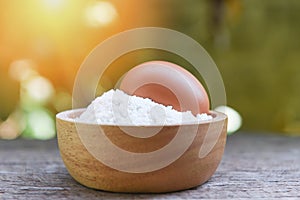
{"x":168,"y":84}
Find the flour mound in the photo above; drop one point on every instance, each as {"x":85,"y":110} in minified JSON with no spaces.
{"x":118,"y":108}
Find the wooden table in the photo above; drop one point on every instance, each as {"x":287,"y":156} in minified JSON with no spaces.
{"x":253,"y":167}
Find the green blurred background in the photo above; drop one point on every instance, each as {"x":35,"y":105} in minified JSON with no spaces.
{"x":254,"y":43}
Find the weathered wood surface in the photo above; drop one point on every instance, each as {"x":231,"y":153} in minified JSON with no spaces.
{"x":253,"y":167}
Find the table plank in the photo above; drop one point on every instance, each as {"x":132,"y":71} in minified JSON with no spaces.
{"x":254,"y":166}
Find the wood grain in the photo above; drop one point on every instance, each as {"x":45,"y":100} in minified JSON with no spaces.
{"x":84,"y":151}
{"x":253,"y":167}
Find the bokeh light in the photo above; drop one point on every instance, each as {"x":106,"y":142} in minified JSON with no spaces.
{"x":13,"y":126}
{"x":20,"y":70}
{"x":100,"y":13}
{"x":38,"y":88}
{"x":234,"y":118}
{"x":9,"y":129}
{"x":62,"y":101}
{"x":40,"y":124}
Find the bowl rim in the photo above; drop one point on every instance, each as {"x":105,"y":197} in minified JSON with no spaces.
{"x":65,"y":116}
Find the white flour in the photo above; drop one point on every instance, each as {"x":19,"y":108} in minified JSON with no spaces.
{"x":117,"y":108}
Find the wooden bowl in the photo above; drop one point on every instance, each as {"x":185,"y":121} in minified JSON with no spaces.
{"x":134,"y":159}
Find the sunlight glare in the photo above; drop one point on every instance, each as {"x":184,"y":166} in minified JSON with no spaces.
{"x":54,"y":4}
